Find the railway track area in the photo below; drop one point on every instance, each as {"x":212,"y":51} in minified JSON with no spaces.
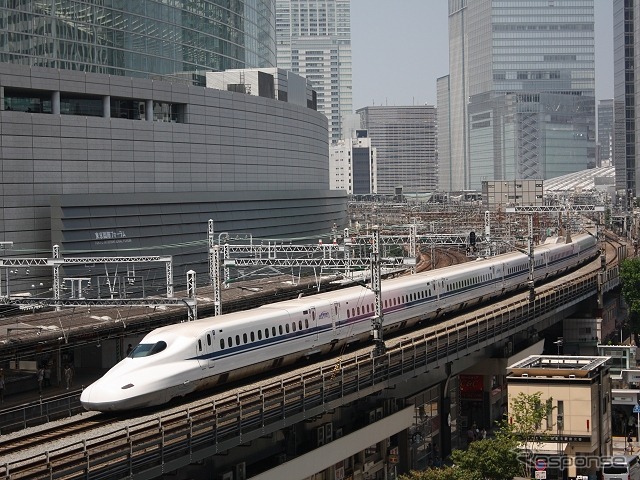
{"x":97,"y":446}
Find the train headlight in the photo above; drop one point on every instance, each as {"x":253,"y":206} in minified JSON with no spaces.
{"x":128,"y":385}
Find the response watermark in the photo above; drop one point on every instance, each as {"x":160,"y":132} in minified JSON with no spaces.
{"x":563,"y":462}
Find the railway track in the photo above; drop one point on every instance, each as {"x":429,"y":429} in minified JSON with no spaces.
{"x":211,"y":421}
{"x":50,"y":434}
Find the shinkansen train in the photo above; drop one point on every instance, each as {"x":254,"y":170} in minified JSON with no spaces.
{"x":176,"y":360}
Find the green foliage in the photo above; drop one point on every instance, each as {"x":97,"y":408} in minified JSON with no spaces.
{"x":630,"y":278}
{"x":490,"y":459}
{"x":500,"y":457}
{"x":528,"y":416}
{"x":444,"y":473}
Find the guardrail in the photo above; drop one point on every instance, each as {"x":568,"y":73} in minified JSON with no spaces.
{"x":150,"y":448}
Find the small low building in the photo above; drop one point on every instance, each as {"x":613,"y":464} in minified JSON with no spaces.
{"x":580,"y":424}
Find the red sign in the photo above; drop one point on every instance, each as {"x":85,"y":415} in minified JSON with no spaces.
{"x":541,"y":464}
{"x":471,"y":386}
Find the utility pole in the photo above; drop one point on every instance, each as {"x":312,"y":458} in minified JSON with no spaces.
{"x":379,"y":348}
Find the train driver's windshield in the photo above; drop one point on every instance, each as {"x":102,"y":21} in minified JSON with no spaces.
{"x":147,"y":349}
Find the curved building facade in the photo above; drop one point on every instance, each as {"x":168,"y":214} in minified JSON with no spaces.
{"x":109,"y":145}
{"x":141,"y":38}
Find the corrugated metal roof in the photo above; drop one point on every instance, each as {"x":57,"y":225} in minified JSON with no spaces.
{"x":583,"y":180}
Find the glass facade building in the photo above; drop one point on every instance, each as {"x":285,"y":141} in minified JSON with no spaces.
{"x":405,"y":139}
{"x":625,"y":44}
{"x":526,"y":73}
{"x":605,"y":132}
{"x":141,"y":38}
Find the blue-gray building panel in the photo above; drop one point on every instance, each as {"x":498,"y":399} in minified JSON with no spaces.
{"x":47,"y":157}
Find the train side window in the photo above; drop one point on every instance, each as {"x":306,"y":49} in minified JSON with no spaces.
{"x":209,"y":339}
{"x":306,"y":323}
{"x":313,"y":314}
{"x":273,"y":331}
{"x":199,"y":345}
{"x":293,"y":326}
{"x":358,"y":310}
{"x":230,"y":342}
{"x":286,"y":327}
{"x":253,"y":336}
{"x":222,"y":343}
{"x":244,"y":338}
{"x":299,"y":324}
{"x":280,"y":328}
{"x":266,"y":333}
{"x":259,"y":334}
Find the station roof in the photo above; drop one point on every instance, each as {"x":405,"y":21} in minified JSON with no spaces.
{"x":585,"y":180}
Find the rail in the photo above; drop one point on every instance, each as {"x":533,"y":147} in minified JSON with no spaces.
{"x":148,"y":448}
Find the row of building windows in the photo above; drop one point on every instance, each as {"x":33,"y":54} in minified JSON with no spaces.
{"x":20,"y":100}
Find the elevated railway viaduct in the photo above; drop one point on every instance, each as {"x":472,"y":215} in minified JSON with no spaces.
{"x":351,"y":415}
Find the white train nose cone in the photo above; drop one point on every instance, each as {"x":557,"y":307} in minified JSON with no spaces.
{"x":104,"y":398}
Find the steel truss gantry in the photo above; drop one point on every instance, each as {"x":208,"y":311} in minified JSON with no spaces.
{"x":530,"y":210}
{"x":57,"y":261}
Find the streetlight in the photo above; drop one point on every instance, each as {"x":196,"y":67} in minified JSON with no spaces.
{"x":559,"y":343}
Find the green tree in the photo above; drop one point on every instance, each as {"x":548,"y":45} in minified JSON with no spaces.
{"x":527,"y":416}
{"x":630,"y":278}
{"x":508,"y":453}
{"x":490,"y":459}
{"x":444,"y":473}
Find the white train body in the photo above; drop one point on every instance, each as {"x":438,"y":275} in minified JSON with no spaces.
{"x":178,"y":359}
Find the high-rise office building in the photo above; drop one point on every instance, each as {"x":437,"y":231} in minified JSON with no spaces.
{"x":448,"y":178}
{"x":605,"y":133}
{"x":145,"y":38}
{"x":522,"y":89}
{"x":405,"y":139}
{"x":314,"y":40}
{"x":353,"y":165}
{"x":625,"y":46}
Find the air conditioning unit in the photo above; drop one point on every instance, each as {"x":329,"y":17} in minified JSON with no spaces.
{"x":372,"y":417}
{"x":320,"y":436}
{"x":328,"y":432}
{"x":379,"y":413}
{"x":241,"y":471}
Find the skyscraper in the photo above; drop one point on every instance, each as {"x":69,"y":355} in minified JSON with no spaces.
{"x":522,"y":90}
{"x":145,"y":38}
{"x":625,"y":44}
{"x":314,"y":39}
{"x":405,"y":139}
{"x":605,"y":132}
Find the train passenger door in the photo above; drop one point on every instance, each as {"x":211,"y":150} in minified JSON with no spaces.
{"x":204,"y":350}
{"x":336,"y":324}
{"x":310,"y":316}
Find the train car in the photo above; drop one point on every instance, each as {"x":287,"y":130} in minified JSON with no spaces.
{"x":176,"y":360}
